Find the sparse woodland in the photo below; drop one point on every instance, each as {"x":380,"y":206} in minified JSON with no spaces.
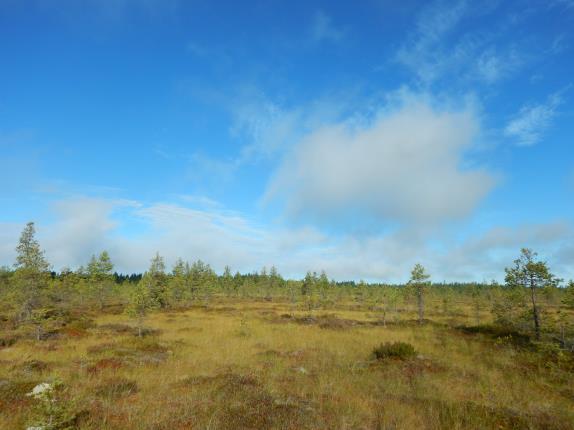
{"x":185,"y":347}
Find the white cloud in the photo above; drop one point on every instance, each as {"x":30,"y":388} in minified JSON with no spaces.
{"x":404,"y":165}
{"x":81,"y":229}
{"x":489,"y":253}
{"x":532,"y":121}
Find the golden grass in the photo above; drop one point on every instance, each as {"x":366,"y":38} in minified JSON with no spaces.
{"x":244,"y":365}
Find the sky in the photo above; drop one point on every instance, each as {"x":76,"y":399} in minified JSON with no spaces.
{"x":357,"y":138}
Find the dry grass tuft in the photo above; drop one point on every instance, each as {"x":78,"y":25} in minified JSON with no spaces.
{"x":116,"y":387}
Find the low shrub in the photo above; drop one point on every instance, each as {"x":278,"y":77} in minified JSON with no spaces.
{"x":395,"y":350}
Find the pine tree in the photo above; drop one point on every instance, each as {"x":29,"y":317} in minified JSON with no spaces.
{"x":30,"y":257}
{"x":264,"y":283}
{"x":178,"y":281}
{"x":308,"y":289}
{"x":155,"y":281}
{"x":323,"y":287}
{"x":237,"y":283}
{"x":31,"y":275}
{"x":227,"y":281}
{"x":141,"y":301}
{"x":532,"y":274}
{"x":419,"y":281}
{"x":100,"y":275}
{"x":307,"y":285}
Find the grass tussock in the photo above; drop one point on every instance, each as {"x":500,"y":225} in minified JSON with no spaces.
{"x":116,"y":387}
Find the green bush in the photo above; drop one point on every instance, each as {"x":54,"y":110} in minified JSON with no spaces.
{"x":395,"y":350}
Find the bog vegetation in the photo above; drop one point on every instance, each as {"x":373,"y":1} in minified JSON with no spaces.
{"x":184,"y":347}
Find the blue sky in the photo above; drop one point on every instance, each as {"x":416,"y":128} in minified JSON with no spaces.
{"x":353,"y":138}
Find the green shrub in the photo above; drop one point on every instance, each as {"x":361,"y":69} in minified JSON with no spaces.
{"x":395,"y":350}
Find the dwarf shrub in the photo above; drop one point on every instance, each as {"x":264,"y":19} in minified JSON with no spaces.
{"x":395,"y":350}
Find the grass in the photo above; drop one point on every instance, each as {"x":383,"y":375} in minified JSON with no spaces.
{"x":260,"y":365}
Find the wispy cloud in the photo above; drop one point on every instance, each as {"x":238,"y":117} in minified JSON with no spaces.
{"x":441,"y":47}
{"x":421,"y":52}
{"x":567,"y":4}
{"x":204,"y":169}
{"x":492,"y":67}
{"x":324,"y":30}
{"x":200,"y":201}
{"x":265,"y":128}
{"x":530,"y":123}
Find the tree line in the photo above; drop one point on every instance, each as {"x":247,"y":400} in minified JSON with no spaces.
{"x":531,"y":299}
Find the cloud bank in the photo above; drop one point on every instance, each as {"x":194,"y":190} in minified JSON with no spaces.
{"x":405,"y":164}
{"x":132,"y":232}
